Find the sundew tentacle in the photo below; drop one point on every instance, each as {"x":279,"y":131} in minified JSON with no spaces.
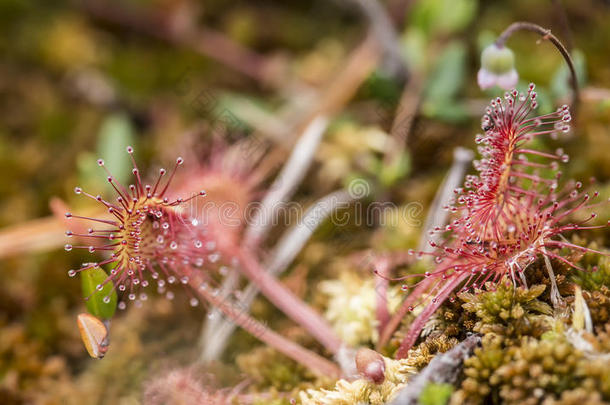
{"x":504,"y":171}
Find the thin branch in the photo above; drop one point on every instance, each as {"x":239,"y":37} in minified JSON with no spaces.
{"x":405,"y":116}
{"x":332,"y":98}
{"x":38,"y":235}
{"x":44,"y":234}
{"x":287,"y":181}
{"x":382,"y":27}
{"x":360,"y":64}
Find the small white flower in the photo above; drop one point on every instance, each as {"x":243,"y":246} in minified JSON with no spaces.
{"x":497,"y":68}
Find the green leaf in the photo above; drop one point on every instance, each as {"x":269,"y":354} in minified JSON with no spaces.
{"x":435,"y":394}
{"x":444,"y":83}
{"x":450,"y":111}
{"x":90,"y":280}
{"x":116,"y":133}
{"x":448,"y":75}
{"x":443,"y":17}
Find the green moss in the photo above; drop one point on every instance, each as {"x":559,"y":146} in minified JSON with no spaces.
{"x":362,"y":391}
{"x":435,"y":394}
{"x":509,"y":311}
{"x":271,"y":369}
{"x":532,"y":371}
{"x":597,"y":274}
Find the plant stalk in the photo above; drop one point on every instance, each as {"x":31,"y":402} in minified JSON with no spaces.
{"x":288,"y":303}
{"x":545,"y":34}
{"x":306,"y":357}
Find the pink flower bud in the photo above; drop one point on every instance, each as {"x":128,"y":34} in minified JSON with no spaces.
{"x":370,"y":365}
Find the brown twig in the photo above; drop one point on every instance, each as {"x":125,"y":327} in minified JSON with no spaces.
{"x":545,"y":34}
{"x":405,"y":116}
{"x":332,"y":98}
{"x":42,"y":234}
{"x":382,"y":26}
{"x":32,"y":236}
{"x":346,"y":82}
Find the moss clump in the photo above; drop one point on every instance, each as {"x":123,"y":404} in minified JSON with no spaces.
{"x":538,"y":369}
{"x":509,"y":311}
{"x":523,"y":374}
{"x":578,"y":396}
{"x":479,"y":371}
{"x":548,"y":371}
{"x":423,"y":353}
{"x":25,"y":370}
{"x":362,"y":391}
{"x":435,"y":394}
{"x":352,"y":307}
{"x":270,"y":369}
{"x":537,"y":273}
{"x":451,"y":320}
{"x":597,"y":271}
{"x":437,"y":339}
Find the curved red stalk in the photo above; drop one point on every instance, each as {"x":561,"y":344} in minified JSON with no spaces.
{"x":285,"y":346}
{"x":286,"y":301}
{"x":420,"y":321}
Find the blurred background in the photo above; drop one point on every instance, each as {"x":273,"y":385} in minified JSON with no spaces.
{"x":80,"y":80}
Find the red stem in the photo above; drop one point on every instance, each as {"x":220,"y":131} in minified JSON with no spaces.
{"x":393,"y":324}
{"x":288,"y":303}
{"x":381,"y":291}
{"x":309,"y":359}
{"x":419,"y":323}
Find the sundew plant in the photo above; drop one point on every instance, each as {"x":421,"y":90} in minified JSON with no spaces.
{"x":510,"y":214}
{"x":514,"y":214}
{"x":354,"y":202}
